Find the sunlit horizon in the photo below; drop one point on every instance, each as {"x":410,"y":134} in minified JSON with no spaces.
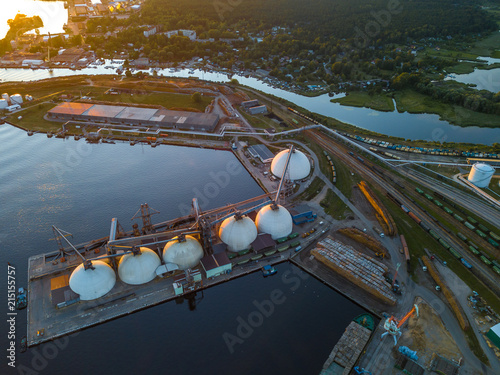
{"x":52,"y":13}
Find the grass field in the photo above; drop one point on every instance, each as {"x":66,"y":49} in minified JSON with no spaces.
{"x":314,"y":189}
{"x":363,"y":99}
{"x":334,"y":206}
{"x":32,"y":118}
{"x":166,"y":100}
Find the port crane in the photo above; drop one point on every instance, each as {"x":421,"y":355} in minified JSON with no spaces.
{"x":393,"y":326}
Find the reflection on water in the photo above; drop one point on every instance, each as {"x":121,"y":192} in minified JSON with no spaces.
{"x":52,"y":13}
{"x":404,"y":125}
{"x":482,"y":78}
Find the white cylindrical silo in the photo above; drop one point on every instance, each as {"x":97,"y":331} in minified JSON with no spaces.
{"x":139,"y":268}
{"x":93,"y":282}
{"x":186,"y":252}
{"x":238,"y":232}
{"x":16,"y":99}
{"x":3,"y":104}
{"x":6,"y":97}
{"x":299,"y":166}
{"x":480,"y":174}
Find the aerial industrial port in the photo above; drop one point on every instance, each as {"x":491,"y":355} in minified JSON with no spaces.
{"x":399,"y":233}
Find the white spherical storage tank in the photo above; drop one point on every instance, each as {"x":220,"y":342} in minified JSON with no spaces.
{"x":480,"y":174}
{"x":140,"y":268}
{"x":16,"y":99}
{"x":238,"y":232}
{"x":93,"y":282}
{"x":3,"y":103}
{"x":274,"y":220}
{"x":298,"y":168}
{"x":185,"y":253}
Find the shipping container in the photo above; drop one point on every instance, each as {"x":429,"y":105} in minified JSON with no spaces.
{"x":471,"y":220}
{"x":496,"y":269}
{"x":493,"y":242}
{"x":485,"y":260}
{"x":424,"y":226}
{"x":444,"y":243}
{"x":454,"y":253}
{"x":481,"y":234}
{"x":420,"y":191}
{"x":469,"y":225}
{"x":483,"y":228}
{"x":495,"y":236}
{"x":459,"y":218}
{"x":461,"y":236}
{"x":448,"y":211}
{"x":434,"y":234}
{"x":474,"y":251}
{"x":414,"y":217}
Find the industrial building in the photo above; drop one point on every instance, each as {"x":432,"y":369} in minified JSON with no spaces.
{"x":257,"y":110}
{"x":261,"y":152}
{"x":216,"y":264}
{"x":250,"y":103}
{"x":129,"y":115}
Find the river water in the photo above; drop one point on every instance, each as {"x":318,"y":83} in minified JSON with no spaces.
{"x":79,"y":188}
{"x":405,"y":125}
{"x":52,"y":13}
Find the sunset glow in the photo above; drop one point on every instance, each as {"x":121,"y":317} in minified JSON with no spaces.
{"x":52,"y":13}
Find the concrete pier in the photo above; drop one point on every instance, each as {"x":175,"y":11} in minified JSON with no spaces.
{"x":122,"y":300}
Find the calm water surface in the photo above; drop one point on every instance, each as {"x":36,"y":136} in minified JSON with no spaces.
{"x":79,"y":188}
{"x":405,"y":125}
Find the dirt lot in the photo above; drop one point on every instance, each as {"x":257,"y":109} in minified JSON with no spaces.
{"x":427,"y":335}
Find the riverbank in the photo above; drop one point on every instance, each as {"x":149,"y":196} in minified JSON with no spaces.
{"x":413,"y":102}
{"x":95,"y":84}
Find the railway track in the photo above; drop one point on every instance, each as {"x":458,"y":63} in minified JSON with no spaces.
{"x":484,"y":274}
{"x":487,"y":212}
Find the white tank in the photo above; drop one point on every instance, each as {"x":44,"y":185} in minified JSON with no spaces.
{"x":238,"y":232}
{"x":298,"y":168}
{"x":480,"y":174}
{"x":16,"y":99}
{"x":92,"y":283}
{"x":186,"y":254}
{"x":274,"y":220}
{"x":3,"y":104}
{"x":6,"y":97}
{"x":139,"y":269}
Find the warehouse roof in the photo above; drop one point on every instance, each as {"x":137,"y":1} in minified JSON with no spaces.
{"x":262,"y":152}
{"x":101,"y":110}
{"x":71,"y":108}
{"x":136,"y":113}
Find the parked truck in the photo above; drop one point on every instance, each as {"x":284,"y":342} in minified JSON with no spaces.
{"x":379,"y":232}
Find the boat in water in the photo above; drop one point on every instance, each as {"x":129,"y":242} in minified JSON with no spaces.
{"x":348,"y":349}
{"x":21,"y":299}
{"x":24,"y":344}
{"x":365,"y":320}
{"x":268,"y":270}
